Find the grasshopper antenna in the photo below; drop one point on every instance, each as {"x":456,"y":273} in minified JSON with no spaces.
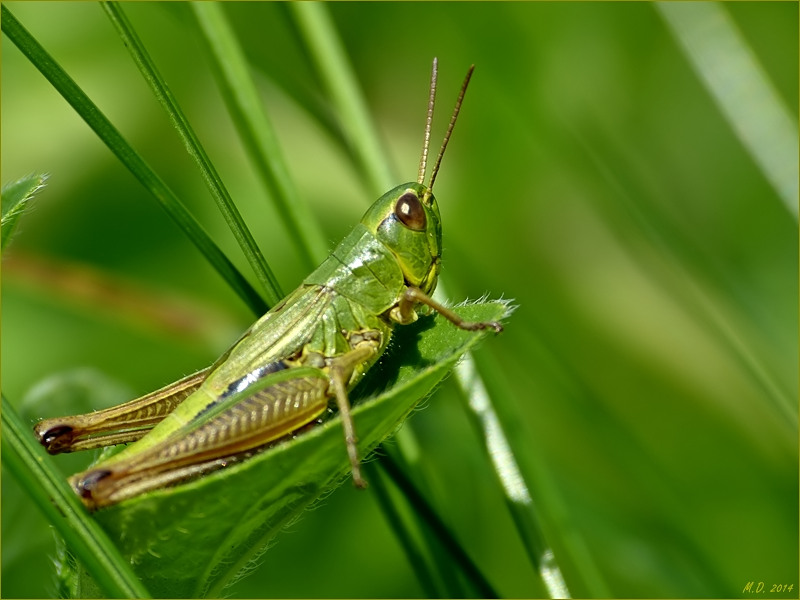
{"x":423,"y":161}
{"x":452,"y":124}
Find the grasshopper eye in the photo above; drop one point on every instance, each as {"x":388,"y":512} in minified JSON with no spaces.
{"x":410,"y":212}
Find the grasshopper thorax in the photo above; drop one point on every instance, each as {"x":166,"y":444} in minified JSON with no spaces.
{"x":406,"y":220}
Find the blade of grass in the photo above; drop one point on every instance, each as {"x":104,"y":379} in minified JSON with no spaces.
{"x":49,"y":491}
{"x":195,"y":149}
{"x":16,"y":196}
{"x":334,"y":69}
{"x":713,"y":309}
{"x":443,"y":533}
{"x":112,"y":138}
{"x":403,"y":453}
{"x":500,"y":441}
{"x":738,"y":84}
{"x":415,"y":557}
{"x":255,"y":129}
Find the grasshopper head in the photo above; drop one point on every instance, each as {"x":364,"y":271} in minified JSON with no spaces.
{"x":406,"y":220}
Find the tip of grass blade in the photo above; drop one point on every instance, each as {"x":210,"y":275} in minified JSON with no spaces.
{"x":16,"y":197}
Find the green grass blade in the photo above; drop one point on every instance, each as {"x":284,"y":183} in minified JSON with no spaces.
{"x":705,"y":289}
{"x":395,"y":520}
{"x":333,"y":67}
{"x":742,"y":90}
{"x":112,"y":138}
{"x":15,"y":199}
{"x":196,"y":151}
{"x":255,"y":129}
{"x":456,"y":576}
{"x":48,"y":490}
{"x":444,"y":535}
{"x":493,"y":415}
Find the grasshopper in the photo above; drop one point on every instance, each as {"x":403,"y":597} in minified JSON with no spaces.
{"x":280,"y":376}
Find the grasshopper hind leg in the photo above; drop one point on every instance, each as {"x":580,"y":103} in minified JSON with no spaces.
{"x":235,"y":433}
{"x":121,"y":424}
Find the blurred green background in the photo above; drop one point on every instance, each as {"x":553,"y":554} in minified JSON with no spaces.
{"x":652,"y":361}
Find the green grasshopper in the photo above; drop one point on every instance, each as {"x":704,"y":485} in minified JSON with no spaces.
{"x":280,"y":376}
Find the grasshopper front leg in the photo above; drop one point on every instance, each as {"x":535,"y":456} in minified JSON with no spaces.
{"x":404,"y":312}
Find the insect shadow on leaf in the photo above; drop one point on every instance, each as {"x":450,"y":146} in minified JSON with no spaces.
{"x":403,"y":351}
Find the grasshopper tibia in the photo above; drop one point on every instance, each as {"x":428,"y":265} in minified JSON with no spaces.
{"x":341,"y":368}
